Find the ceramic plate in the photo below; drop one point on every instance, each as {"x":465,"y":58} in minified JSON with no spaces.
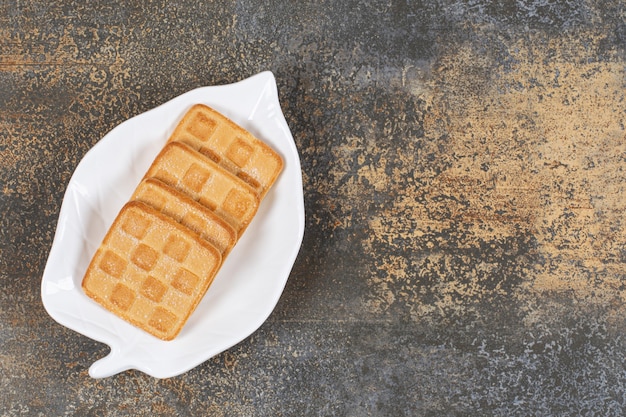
{"x":250,"y":282}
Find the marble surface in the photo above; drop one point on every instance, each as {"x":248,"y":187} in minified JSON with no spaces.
{"x":464,"y":166}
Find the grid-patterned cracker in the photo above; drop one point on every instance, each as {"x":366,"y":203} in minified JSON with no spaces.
{"x":188,"y":171}
{"x":150,"y":270}
{"x":187,"y":212}
{"x":228,"y":144}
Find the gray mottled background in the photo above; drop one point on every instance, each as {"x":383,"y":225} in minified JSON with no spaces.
{"x":464,"y":166}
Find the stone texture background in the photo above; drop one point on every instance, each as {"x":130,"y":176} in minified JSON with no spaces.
{"x":464,"y":166}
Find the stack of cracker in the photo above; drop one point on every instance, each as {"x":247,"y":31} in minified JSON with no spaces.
{"x":168,"y":242}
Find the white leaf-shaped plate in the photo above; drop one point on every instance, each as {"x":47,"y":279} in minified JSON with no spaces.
{"x":251,"y":280}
